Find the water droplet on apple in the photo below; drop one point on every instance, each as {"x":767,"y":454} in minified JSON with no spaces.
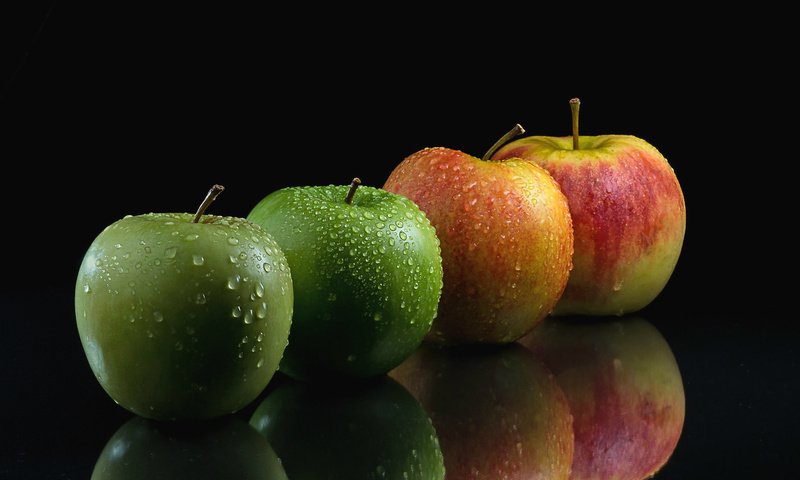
{"x":240,"y":355}
{"x":237,"y":311}
{"x":351,"y":358}
{"x":267,"y":267}
{"x":198,"y":260}
{"x":618,"y":285}
{"x":517,"y":267}
{"x":377,"y":317}
{"x":233,"y":282}
{"x":191,"y":237}
{"x":150,"y":334}
{"x":178,"y":346}
{"x":170,"y":252}
{"x":260,"y":337}
{"x":200,"y":299}
{"x":331,"y":297}
{"x":248,"y":316}
{"x":245,"y":339}
{"x":87,"y":288}
{"x":260,"y":363}
{"x":233,"y":240}
{"x":158,"y":317}
{"x":259,"y":289}
{"x":190,"y":330}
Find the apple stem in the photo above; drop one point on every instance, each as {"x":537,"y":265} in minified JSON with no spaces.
{"x":516,"y":131}
{"x":210,"y":197}
{"x":353,"y":186}
{"x":575,"y":106}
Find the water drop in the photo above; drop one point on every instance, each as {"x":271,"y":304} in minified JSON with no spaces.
{"x":261,"y":310}
{"x":233,"y":282}
{"x":198,"y":260}
{"x":158,"y":317}
{"x":351,"y":358}
{"x":618,"y":286}
{"x":169,"y":223}
{"x":117,"y":245}
{"x":170,"y":252}
{"x":260,"y":362}
{"x":178,"y":346}
{"x":331,"y":297}
{"x":87,"y":288}
{"x":240,"y":355}
{"x":260,"y":337}
{"x":233,"y":240}
{"x":377,"y":317}
{"x":259,"y":290}
{"x":190,"y":330}
{"x":191,"y":237}
{"x":237,"y":311}
{"x":233,"y":259}
{"x":267,"y":267}
{"x":248,"y":316}
{"x":245,"y":339}
{"x":147,"y":250}
{"x":200,"y":299}
{"x":518,"y":267}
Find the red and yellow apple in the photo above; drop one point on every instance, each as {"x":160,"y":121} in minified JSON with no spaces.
{"x":624,"y":390}
{"x":498,"y":413}
{"x":627,"y":210}
{"x":506,"y":241}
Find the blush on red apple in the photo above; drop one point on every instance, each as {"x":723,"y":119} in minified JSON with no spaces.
{"x":624,"y":390}
{"x":627,"y":210}
{"x":498,"y":413}
{"x":506,"y":240}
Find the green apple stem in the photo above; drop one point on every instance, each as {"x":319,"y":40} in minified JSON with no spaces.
{"x":210,"y":197}
{"x":575,"y":106}
{"x":353,"y":186}
{"x":516,"y":131}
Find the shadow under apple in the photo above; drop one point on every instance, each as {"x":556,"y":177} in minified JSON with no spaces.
{"x":372,"y":430}
{"x":624,"y":389}
{"x":224,"y":448}
{"x":497,"y":410}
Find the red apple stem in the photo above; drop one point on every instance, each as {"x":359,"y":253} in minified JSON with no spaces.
{"x":210,"y":197}
{"x":575,"y":106}
{"x":516,"y":131}
{"x":353,"y":187}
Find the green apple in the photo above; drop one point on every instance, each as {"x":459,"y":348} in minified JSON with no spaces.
{"x":367,"y":275}
{"x":506,"y":240}
{"x":372,"y":430}
{"x":628,"y":213}
{"x":223,"y":448}
{"x":183,"y":316}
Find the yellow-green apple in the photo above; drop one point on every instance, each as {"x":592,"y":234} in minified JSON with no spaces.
{"x":506,"y":240}
{"x":183,"y":316}
{"x":368,"y":430}
{"x":624,"y":390}
{"x":628,"y":213}
{"x":498,"y":411}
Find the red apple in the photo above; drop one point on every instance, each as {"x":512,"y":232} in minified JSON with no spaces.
{"x":624,"y":390}
{"x":627,"y":210}
{"x":506,"y":240}
{"x":498,"y":413}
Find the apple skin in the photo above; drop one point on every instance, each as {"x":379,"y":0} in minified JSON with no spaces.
{"x":506,"y":238}
{"x":369,"y":430}
{"x":224,"y":448}
{"x":367,"y":277}
{"x":628,"y":213}
{"x":624,"y":389}
{"x":498,"y":411}
{"x":182,"y":320}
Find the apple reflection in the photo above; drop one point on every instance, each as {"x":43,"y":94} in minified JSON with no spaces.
{"x":223,"y":448}
{"x":498,"y":412}
{"x":624,"y":389}
{"x":372,"y":430}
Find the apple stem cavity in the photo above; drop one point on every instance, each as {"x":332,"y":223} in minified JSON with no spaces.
{"x":353,"y":187}
{"x":514,"y":132}
{"x":210,"y":197}
{"x":575,"y":106}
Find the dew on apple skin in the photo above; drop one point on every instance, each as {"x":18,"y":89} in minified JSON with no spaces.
{"x":233,"y":241}
{"x":233,"y":282}
{"x":178,"y":346}
{"x":260,"y":363}
{"x":191,"y":237}
{"x":351,"y":358}
{"x":259,"y":290}
{"x":261,"y":310}
{"x":248,"y":316}
{"x":158,"y":317}
{"x":200,"y":298}
{"x":198,"y":260}
{"x":170,"y":252}
{"x":236,"y":312}
{"x":618,"y":285}
{"x":87,"y":288}
{"x":260,"y":337}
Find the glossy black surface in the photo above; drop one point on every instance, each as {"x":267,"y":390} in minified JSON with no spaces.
{"x":110,"y":110}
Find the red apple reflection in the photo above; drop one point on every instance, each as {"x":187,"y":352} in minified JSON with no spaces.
{"x":498,"y":413}
{"x":624,"y":390}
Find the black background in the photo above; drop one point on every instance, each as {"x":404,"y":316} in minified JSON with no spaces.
{"x":110,"y":110}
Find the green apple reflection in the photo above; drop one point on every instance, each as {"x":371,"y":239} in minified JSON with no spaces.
{"x":498,"y":412}
{"x":624,"y":389}
{"x":224,"y":448}
{"x":365,"y":431}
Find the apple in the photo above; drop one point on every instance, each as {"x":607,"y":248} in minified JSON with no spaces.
{"x":367,"y":275}
{"x":498,"y":412}
{"x":222,"y":448}
{"x":627,"y":210}
{"x":369,"y":430}
{"x":624,"y":389}
{"x":506,"y":238}
{"x":183,"y":316}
